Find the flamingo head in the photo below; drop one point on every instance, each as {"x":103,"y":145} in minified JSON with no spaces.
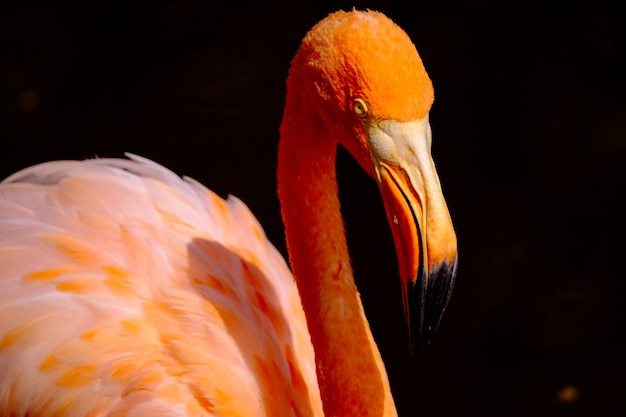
{"x":369,"y":87}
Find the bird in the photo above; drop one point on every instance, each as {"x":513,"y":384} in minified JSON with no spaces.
{"x":127,"y":290}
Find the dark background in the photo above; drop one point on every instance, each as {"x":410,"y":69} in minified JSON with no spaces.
{"x":529,"y":130}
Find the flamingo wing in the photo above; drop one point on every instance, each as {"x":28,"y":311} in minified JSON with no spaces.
{"x":127,"y":290}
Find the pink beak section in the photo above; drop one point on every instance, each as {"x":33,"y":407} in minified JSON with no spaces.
{"x":425,"y":291}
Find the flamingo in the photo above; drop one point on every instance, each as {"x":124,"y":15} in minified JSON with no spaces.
{"x":126,"y":290}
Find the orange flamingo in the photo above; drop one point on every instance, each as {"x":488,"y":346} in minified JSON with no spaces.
{"x":127,"y":290}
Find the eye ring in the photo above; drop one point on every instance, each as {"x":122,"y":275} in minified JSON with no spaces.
{"x":359,"y":107}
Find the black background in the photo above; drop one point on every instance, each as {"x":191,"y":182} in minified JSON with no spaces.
{"x":529,"y":130}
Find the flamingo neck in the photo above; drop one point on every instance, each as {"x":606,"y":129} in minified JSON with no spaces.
{"x":350,"y":371}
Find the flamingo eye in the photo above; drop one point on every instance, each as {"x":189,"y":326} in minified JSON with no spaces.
{"x":359,"y":106}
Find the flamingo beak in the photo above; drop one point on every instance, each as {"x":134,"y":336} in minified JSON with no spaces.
{"x":420,"y":222}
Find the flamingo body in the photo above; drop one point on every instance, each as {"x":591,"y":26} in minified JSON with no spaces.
{"x":126,"y":290}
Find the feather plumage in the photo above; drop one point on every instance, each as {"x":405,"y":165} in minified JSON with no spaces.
{"x":145,"y":287}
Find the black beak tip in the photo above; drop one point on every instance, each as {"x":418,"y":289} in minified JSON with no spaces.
{"x":428,"y":298}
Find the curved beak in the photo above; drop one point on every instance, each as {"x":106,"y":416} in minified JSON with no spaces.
{"x":419,"y":218}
